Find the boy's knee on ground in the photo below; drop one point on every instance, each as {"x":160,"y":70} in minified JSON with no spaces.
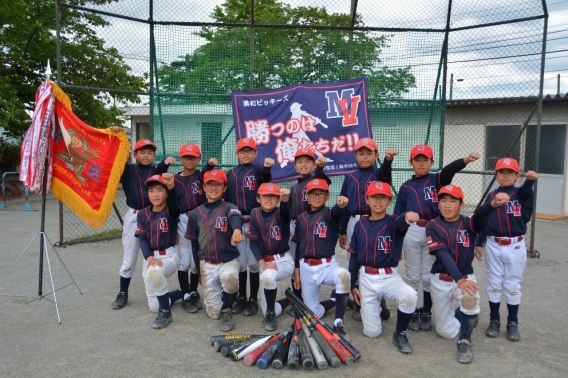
{"x":153,"y":304}
{"x":214,"y":314}
{"x":371,"y":332}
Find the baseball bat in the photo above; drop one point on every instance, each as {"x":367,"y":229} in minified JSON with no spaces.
{"x":281,"y":354}
{"x":235,"y":336}
{"x":305,"y":353}
{"x":269,"y":354}
{"x":236,"y":355}
{"x":294,"y":352}
{"x":220,"y":344}
{"x":319,"y":357}
{"x":251,"y":357}
{"x":226,"y":349}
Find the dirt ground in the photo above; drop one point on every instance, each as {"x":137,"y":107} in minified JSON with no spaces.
{"x":94,"y":340}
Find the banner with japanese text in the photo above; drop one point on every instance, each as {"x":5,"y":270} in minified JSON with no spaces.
{"x":328,"y":118}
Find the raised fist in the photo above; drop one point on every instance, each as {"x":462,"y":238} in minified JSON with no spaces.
{"x":500,"y":199}
{"x":168,"y":180}
{"x":391,"y":153}
{"x":237,"y":238}
{"x":284,"y":195}
{"x":531,"y":175}
{"x":342,"y":201}
{"x":321,"y":161}
{"x":411,"y":217}
{"x":170,"y":160}
{"x":268,"y":162}
{"x":473,"y":156}
{"x":213,"y":162}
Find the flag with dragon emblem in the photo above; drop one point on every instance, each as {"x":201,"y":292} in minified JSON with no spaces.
{"x":84,"y":163}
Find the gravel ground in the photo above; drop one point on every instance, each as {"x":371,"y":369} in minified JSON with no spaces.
{"x":94,"y":340}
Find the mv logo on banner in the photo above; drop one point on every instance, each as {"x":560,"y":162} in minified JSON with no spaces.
{"x":344,"y":106}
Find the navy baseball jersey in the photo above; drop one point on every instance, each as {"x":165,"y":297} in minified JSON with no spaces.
{"x":317,"y":233}
{"x":420,"y":194}
{"x":511,"y":219}
{"x":298,"y":196}
{"x":242,"y":185}
{"x":211,"y":225}
{"x":133,"y":178}
{"x":189,"y":189}
{"x":355,"y":185}
{"x":159,"y":228}
{"x":270,"y":230}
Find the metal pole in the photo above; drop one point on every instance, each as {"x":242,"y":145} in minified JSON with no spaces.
{"x":558,"y":88}
{"x":58,"y":41}
{"x":451,"y":86}
{"x":151,"y":19}
{"x":42,"y":227}
{"x":445,"y":76}
{"x":251,"y":74}
{"x":353,"y":16}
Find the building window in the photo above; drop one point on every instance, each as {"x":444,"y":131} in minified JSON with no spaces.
{"x":499,"y":139}
{"x":211,"y":141}
{"x":551,"y":152}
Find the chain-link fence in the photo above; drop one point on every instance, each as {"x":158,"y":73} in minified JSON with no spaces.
{"x":459,"y":75}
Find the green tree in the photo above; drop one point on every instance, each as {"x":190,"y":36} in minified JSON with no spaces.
{"x":28,"y":40}
{"x":282,"y":56}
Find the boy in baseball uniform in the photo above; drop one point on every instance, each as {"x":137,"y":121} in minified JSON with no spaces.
{"x":505,"y":251}
{"x":269,"y":232}
{"x":419,"y":195}
{"x":156,"y":233}
{"x":136,"y":193}
{"x":214,"y":229}
{"x":316,"y":234}
{"x":243,"y":182}
{"x":376,"y":247}
{"x":189,"y":193}
{"x":451,"y":239}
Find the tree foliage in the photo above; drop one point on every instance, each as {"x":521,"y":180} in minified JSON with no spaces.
{"x":28,"y":40}
{"x":282,"y":56}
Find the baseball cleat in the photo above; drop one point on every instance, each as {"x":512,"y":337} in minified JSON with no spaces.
{"x":270,"y":320}
{"x":401,"y":341}
{"x":226,"y":324}
{"x":425,"y":321}
{"x":239,"y":305}
{"x":340,"y":330}
{"x":195,"y":299}
{"x":188,"y":305}
{"x":493,"y":329}
{"x":251,"y":308}
{"x":465,"y":354}
{"x":513,"y":331}
{"x":385,"y":312}
{"x":120,"y":301}
{"x":414,"y":324}
{"x":163,"y":319}
{"x":356,"y":315}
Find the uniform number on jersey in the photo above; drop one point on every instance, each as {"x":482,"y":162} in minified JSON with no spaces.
{"x":384,"y":244}
{"x":320,"y":229}
{"x":514,"y":207}
{"x":163,"y":224}
{"x":430,"y":193}
{"x":275,"y":233}
{"x":196,"y":188}
{"x":463,"y":238}
{"x":221,"y":223}
{"x":250,"y":182}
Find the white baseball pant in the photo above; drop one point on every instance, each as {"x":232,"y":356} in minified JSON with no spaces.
{"x":184,"y":247}
{"x":269,"y":279}
{"x":373,"y":287}
{"x":129,"y":244}
{"x":417,"y":259}
{"x":350,"y":227}
{"x":504,"y":266}
{"x":215,"y":278}
{"x":246,"y":258}
{"x":443,"y":295}
{"x":313,"y":276}
{"x":156,"y":277}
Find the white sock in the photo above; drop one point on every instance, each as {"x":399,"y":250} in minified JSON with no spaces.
{"x":337,"y":321}
{"x":185,"y":296}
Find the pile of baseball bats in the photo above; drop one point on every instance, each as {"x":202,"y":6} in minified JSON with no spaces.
{"x":309,"y":341}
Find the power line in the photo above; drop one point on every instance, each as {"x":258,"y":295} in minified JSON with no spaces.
{"x":558,"y":2}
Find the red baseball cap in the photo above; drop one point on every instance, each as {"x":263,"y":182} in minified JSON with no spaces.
{"x":246,"y":142}
{"x":144,"y":143}
{"x":305,"y":152}
{"x":452,"y":190}
{"x":507,"y":163}
{"x":157,"y":178}
{"x":217,"y":175}
{"x":269,"y":189}
{"x":189,"y":149}
{"x":366,"y":143}
{"x":379,"y":188}
{"x":422,"y":149}
{"x":317,"y":184}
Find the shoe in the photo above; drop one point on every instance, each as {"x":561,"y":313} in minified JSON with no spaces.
{"x":513,"y":331}
{"x":195,"y":299}
{"x":425,"y":321}
{"x":340,"y":330}
{"x":120,"y":301}
{"x":270,"y":320}
{"x":226,"y":323}
{"x":401,"y":341}
{"x":188,"y":305}
{"x":414,"y":324}
{"x":239,"y":306}
{"x":356,"y":315}
{"x":465,"y":354}
{"x":251,"y":308}
{"x":163,"y":319}
{"x":291,"y":311}
{"x":385,"y":312}
{"x":493,"y":329}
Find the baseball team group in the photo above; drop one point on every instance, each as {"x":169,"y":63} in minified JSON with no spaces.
{"x":235,"y":227}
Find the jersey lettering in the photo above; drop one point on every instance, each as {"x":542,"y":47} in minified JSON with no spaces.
{"x":221,"y":223}
{"x":463,"y":238}
{"x":196,"y":188}
{"x":275,"y":233}
{"x":514,"y":207}
{"x":384,"y":244}
{"x":430,"y":193}
{"x":163,"y":224}
{"x":320,"y":229}
{"x":250,"y":182}
{"x":305,"y":195}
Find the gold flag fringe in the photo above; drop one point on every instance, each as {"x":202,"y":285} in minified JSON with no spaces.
{"x":60,"y":95}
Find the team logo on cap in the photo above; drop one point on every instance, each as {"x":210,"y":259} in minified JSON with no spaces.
{"x":275,"y":233}
{"x":320,"y":229}
{"x":379,"y":186}
{"x":214,"y":172}
{"x":155,"y":177}
{"x":163,"y":225}
{"x":463,"y":238}
{"x":420,"y":148}
{"x":365,"y":140}
{"x":250,"y":182}
{"x":269,"y":186}
{"x":189,"y":147}
{"x":246,"y":140}
{"x":146,"y":141}
{"x":507,"y":161}
{"x":430,"y":193}
{"x":384,"y":244}
{"x":514,"y":207}
{"x":316,"y":182}
{"x":449,"y":187}
{"x":221,"y":223}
